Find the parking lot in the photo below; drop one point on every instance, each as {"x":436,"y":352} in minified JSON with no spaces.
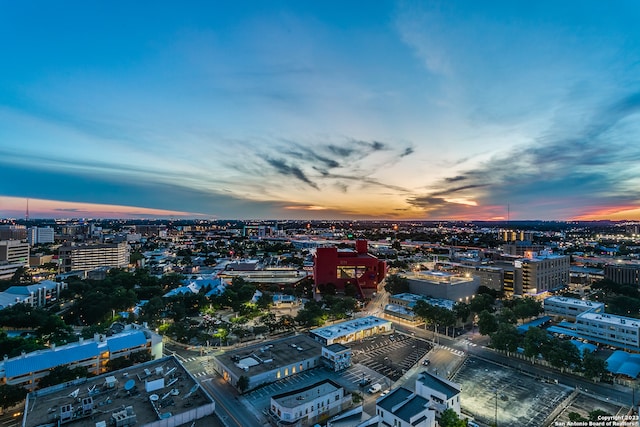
{"x":390,"y":355}
{"x":583,"y":404}
{"x":491,"y":392}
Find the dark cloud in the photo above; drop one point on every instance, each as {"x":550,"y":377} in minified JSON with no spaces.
{"x":407,"y":152}
{"x":568,"y":170}
{"x":455,"y":178}
{"x":340,"y":151}
{"x":69,"y":210}
{"x":283,"y":168}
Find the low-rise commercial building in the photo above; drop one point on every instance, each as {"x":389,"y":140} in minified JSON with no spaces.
{"x":336,"y":356}
{"x":309,"y":405}
{"x":268,"y":362}
{"x":442,"y":393}
{"x":351,"y":330}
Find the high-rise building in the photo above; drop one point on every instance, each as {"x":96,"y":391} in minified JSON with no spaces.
{"x":39,"y":235}
{"x":14,"y":252}
{"x":13,"y":232}
{"x":541,"y":273}
{"x":90,"y":256}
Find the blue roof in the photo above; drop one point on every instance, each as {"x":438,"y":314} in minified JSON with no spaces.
{"x":584,"y":346}
{"x":121,"y":342}
{"x":48,"y":359}
{"x":534,"y":323}
{"x":623,"y":363}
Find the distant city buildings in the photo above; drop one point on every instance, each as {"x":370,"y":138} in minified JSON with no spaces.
{"x":40,"y":235}
{"x":73,"y":257}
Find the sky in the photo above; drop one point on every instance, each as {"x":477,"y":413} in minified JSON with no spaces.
{"x":427,"y":110}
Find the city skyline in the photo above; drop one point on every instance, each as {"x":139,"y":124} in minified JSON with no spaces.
{"x":304,"y":110}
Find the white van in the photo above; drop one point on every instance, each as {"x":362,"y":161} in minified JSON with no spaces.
{"x":375,"y":388}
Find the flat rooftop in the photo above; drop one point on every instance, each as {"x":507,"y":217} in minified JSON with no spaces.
{"x":349,"y":327}
{"x":266,"y":356}
{"x":297,"y":397}
{"x":155,"y":390}
{"x":574,"y":302}
{"x":611,"y":319}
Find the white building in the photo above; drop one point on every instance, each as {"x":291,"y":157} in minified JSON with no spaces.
{"x":37,"y":295}
{"x":403,"y":408}
{"x":351,"y":330}
{"x":441,"y":393}
{"x":306,"y":406}
{"x":39,"y":235}
{"x":609,"y":329}
{"x":570,"y":307}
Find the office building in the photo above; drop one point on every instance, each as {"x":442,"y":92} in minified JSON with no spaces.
{"x":341,"y":268}
{"x":570,"y":308}
{"x":14,"y":252}
{"x":74,"y":257}
{"x":309,"y":405}
{"x":40,"y":235}
{"x":336,"y":357}
{"x":609,"y":329}
{"x":623,"y":273}
{"x":13,"y":232}
{"x":441,"y":393}
{"x":542,"y":272}
{"x":442,"y":285}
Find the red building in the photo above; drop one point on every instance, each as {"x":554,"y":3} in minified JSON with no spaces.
{"x":341,"y":268}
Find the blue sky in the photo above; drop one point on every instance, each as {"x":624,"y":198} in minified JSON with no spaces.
{"x":300,"y":109}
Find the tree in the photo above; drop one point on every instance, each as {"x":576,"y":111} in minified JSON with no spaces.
{"x":563,"y":355}
{"x":11,"y":395}
{"x":505,"y":338}
{"x":487,"y":323}
{"x":593,"y":366}
{"x":482,"y":302}
{"x":61,"y":374}
{"x":243,"y":383}
{"x":536,"y":341}
{"x":395,"y":284}
{"x":450,"y":418}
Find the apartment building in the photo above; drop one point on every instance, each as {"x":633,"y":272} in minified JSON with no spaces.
{"x":73,"y":257}
{"x":26,"y":370}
